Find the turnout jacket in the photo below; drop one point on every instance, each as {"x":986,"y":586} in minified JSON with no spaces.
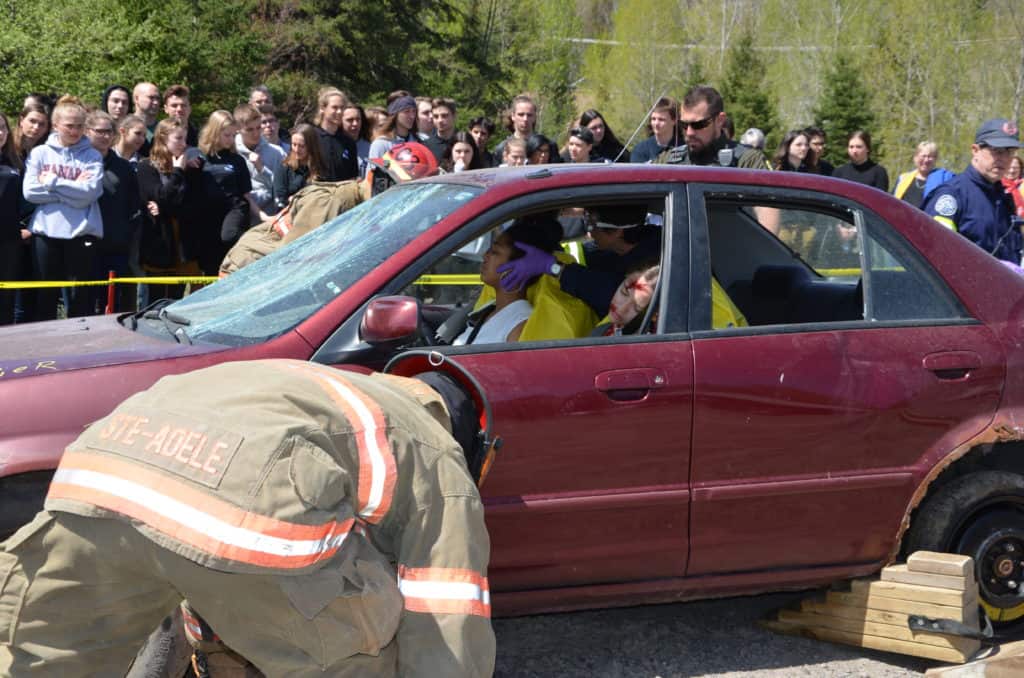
{"x":269,"y":466}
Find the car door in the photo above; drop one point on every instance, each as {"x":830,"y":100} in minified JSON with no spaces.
{"x":809,"y":421}
{"x":590,"y":485}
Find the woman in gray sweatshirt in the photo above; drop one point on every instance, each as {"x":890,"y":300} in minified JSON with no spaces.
{"x":64,"y":177}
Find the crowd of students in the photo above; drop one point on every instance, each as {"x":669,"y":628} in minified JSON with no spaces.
{"x":86,"y":190}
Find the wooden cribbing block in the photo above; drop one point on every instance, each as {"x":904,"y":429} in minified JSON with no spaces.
{"x":950,"y":564}
{"x":883,"y":629}
{"x":923,"y":594}
{"x":967,"y":615}
{"x":903,"y":575}
{"x":873,"y":642}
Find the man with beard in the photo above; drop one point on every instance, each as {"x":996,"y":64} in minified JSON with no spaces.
{"x":702,"y":122}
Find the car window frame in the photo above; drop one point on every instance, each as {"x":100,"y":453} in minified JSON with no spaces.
{"x":344,"y":341}
{"x":699,"y":321}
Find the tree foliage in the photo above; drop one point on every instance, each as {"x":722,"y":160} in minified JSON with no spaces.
{"x":845,"y":106}
{"x":928,"y":69}
{"x":749,"y":102}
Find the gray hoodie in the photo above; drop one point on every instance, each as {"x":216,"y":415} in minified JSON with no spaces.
{"x":68,"y":198}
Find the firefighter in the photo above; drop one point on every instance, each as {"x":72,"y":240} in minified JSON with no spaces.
{"x":322,"y":522}
{"x":320,"y":201}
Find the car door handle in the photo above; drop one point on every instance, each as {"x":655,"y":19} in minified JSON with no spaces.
{"x":632,"y":384}
{"x":952,"y":365}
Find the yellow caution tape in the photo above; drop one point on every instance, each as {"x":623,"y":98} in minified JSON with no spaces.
{"x":839,"y":272}
{"x":156,"y":280}
{"x":449,"y":279}
{"x":445,"y":279}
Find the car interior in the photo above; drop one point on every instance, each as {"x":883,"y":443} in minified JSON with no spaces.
{"x":451,"y":288}
{"x":767,"y":275}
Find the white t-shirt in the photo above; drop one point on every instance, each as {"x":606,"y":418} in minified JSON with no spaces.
{"x":498,"y":325}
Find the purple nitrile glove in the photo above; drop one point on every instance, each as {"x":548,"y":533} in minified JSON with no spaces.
{"x":515,"y":273}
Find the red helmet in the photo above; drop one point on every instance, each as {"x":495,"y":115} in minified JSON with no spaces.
{"x":407,"y":161}
{"x":430,"y":366}
{"x":404,"y":162}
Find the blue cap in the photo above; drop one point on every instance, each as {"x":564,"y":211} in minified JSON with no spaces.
{"x":998,"y":133}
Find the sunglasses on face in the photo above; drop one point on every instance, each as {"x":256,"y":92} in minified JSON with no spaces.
{"x":697,"y":124}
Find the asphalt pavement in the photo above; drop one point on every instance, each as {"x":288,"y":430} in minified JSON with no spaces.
{"x":705,"y":638}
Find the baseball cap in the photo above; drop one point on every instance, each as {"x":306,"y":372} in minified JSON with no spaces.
{"x":998,"y":133}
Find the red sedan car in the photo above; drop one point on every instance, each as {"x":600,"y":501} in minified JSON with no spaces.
{"x":869,"y":404}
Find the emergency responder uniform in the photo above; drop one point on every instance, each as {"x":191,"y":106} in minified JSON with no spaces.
{"x":977,"y":208}
{"x":723,"y":153}
{"x":322,"y":522}
{"x":321,"y":201}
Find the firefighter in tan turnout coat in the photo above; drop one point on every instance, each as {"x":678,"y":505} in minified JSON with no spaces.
{"x":321,"y":522}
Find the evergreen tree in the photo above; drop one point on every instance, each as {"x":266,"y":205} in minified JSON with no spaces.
{"x":743,"y":87}
{"x":844,"y":107}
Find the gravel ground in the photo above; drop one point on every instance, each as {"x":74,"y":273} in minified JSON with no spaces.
{"x":706,"y":638}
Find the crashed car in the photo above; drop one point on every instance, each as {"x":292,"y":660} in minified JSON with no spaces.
{"x":869,"y":405}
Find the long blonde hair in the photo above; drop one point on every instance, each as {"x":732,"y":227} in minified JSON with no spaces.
{"x":209,"y":136}
{"x":323,"y":97}
{"x":159,"y":155}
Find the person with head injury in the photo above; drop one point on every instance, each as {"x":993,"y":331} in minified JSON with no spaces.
{"x":505,"y":317}
{"x":630,"y":302}
{"x":321,"y":522}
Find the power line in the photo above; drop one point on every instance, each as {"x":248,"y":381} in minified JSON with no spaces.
{"x":771,"y":48}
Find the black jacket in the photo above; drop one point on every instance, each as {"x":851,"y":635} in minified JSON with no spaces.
{"x":596,"y":282}
{"x":11,"y":207}
{"x":160,"y":246}
{"x":288,"y":182}
{"x":119,"y":205}
{"x":341,"y":157}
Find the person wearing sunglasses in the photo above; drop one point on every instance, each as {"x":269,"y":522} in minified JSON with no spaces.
{"x":701,"y":123}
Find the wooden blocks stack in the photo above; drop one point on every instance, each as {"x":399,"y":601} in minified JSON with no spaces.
{"x":875,"y":612}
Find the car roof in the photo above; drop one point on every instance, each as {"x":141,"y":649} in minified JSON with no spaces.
{"x":582,"y":173}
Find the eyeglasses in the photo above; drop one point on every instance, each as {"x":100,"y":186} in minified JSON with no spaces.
{"x":697,"y":124}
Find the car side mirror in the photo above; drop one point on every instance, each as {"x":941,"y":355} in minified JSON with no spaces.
{"x":390,"y":320}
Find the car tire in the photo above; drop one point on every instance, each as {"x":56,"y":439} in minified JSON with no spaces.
{"x":980,"y":515}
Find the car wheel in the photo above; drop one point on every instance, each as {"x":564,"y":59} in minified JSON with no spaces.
{"x":980,"y":515}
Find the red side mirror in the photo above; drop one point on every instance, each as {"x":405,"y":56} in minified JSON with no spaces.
{"x":390,"y":319}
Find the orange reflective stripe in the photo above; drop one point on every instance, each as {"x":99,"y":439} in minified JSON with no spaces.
{"x":193,"y":517}
{"x":377,"y":472}
{"x":194,"y":626}
{"x":283,"y":223}
{"x":440,"y":590}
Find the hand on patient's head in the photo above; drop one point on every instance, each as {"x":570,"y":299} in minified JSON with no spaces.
{"x":516,"y":273}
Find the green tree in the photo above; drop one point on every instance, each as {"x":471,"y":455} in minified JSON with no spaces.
{"x":81,"y":46}
{"x":643,"y":62}
{"x":747,"y":100}
{"x":844,"y":106}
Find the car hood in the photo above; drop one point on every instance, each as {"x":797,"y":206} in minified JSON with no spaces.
{"x":59,"y":345}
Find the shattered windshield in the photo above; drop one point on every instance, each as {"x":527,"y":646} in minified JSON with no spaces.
{"x":276,"y":293}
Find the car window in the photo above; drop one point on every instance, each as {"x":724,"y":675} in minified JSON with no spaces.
{"x":827,"y":263}
{"x":452,"y":284}
{"x":274,"y":294}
